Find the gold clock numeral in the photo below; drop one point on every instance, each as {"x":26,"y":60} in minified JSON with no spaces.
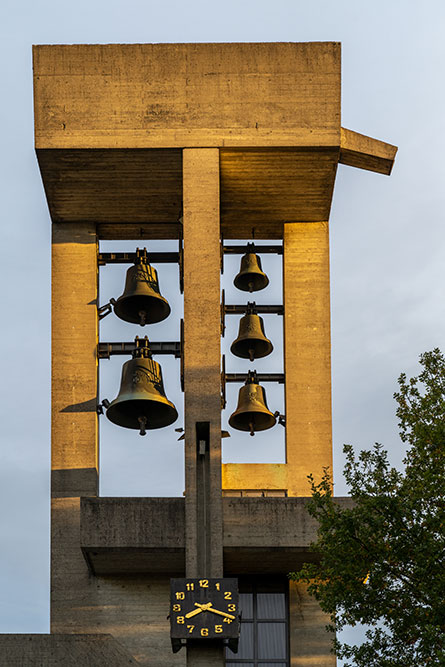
{"x":228,"y":595}
{"x":176,"y":607}
{"x":190,"y":586}
{"x":180,"y":620}
{"x":190,"y":628}
{"x":231,"y":607}
{"x":227,"y":620}
{"x":218,"y":586}
{"x":204,"y":632}
{"x":204,"y":583}
{"x":180,"y":596}
{"x":218,"y":628}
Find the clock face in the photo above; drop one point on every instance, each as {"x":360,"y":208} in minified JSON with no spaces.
{"x":204,"y":608}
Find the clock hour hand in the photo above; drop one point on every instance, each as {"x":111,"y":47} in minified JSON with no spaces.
{"x":220,"y":613}
{"x":202,"y":607}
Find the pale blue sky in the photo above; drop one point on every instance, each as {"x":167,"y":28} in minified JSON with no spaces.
{"x":387,"y":237}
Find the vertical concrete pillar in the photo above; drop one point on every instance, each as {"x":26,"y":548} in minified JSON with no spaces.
{"x":74,"y":451}
{"x":74,"y":446}
{"x":310,"y":644}
{"x":307,"y":353}
{"x":202,"y":359}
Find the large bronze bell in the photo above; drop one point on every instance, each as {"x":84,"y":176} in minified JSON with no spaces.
{"x":141,"y":403}
{"x":251,"y":276}
{"x":142,"y":303}
{"x":251,"y":342}
{"x":252,"y":413}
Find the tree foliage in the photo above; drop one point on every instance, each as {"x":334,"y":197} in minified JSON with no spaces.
{"x":382,"y":559}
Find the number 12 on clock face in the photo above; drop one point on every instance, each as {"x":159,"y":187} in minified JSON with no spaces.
{"x":204,"y":609}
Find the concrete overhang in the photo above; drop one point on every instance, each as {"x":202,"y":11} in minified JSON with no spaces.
{"x":111,"y":122}
{"x":146,"y":535}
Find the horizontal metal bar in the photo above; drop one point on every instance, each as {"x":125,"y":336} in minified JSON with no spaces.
{"x":239,"y":309}
{"x":105,"y":350}
{"x":260,"y":249}
{"x":130,"y":258}
{"x":262,"y":377}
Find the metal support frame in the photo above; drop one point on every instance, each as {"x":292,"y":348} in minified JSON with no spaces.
{"x":106,"y":350}
{"x":262,"y":377}
{"x":243,"y":249}
{"x":104,"y":258}
{"x":240,"y":309}
{"x":241,"y":377}
{"x":259,"y":249}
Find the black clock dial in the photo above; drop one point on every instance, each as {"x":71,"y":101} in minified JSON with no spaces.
{"x":204,"y":609}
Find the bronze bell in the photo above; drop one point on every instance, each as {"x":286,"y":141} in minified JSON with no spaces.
{"x":141,"y":303}
{"x":251,"y":277}
{"x":141,"y":402}
{"x":252,"y":413}
{"x":251,"y":342}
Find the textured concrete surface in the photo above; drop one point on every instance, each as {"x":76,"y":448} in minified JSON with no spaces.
{"x":187,"y":95}
{"x":133,"y":609}
{"x":202,"y":363}
{"x":74,"y":360}
{"x":62,"y":651}
{"x":124,"y":535}
{"x":272,"y":109}
{"x":307,"y":353}
{"x":310,"y":644}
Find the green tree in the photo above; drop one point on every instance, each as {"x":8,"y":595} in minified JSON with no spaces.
{"x":381,"y":560}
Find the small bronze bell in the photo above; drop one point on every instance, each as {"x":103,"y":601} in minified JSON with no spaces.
{"x":252,"y":413}
{"x":142,"y":303}
{"x":251,"y":277}
{"x":141,"y":402}
{"x":251,"y":342}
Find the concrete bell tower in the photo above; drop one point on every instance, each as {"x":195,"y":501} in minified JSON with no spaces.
{"x":200,"y":142}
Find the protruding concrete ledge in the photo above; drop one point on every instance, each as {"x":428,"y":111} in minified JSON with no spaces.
{"x":146,"y":535}
{"x":63,"y":651}
{"x":358,"y":150}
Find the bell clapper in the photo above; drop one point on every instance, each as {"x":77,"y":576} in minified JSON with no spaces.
{"x":252,"y":431}
{"x":251,"y":354}
{"x":142,"y":317}
{"x":142,"y":423}
{"x":250,"y":286}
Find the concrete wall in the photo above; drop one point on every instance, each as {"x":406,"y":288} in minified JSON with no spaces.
{"x":133,"y":609}
{"x":62,"y":651}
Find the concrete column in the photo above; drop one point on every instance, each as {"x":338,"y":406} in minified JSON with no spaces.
{"x":74,"y":447}
{"x":310,"y":644}
{"x":74,"y":443}
{"x":307,"y":353}
{"x":202,"y":359}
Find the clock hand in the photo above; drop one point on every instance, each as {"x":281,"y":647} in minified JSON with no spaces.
{"x":220,"y":613}
{"x":202,"y":607}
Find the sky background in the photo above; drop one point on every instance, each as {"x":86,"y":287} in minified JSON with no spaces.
{"x":387,"y":250}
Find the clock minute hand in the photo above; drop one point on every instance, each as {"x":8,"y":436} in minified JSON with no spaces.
{"x":202,"y":607}
{"x":220,"y":613}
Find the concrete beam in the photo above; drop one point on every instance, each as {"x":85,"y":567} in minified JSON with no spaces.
{"x":187,"y":95}
{"x":358,"y":150}
{"x":146,"y":535}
